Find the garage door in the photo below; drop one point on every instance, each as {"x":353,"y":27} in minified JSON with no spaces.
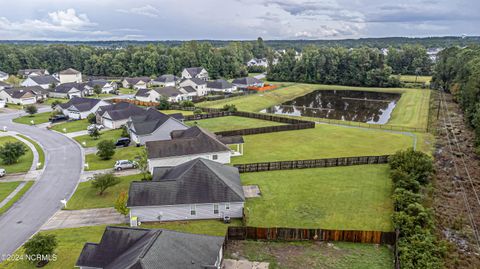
{"x":29,"y":101}
{"x":74,"y":115}
{"x":108,"y":123}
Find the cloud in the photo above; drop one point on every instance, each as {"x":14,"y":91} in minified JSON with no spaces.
{"x":146,"y":10}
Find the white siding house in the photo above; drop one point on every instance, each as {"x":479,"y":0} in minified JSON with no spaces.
{"x":195,"y":72}
{"x":220,"y":157}
{"x":70,"y":75}
{"x":199,"y":85}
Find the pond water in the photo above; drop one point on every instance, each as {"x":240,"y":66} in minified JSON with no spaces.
{"x":361,"y":106}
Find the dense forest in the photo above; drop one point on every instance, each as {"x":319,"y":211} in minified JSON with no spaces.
{"x":458,"y":71}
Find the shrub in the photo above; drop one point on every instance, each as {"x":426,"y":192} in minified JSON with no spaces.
{"x":187,"y":103}
{"x":41,"y":244}
{"x":10,"y":152}
{"x":106,"y":149}
{"x":31,"y":109}
{"x":102,"y":182}
{"x":197,"y":111}
{"x":415,"y":163}
{"x":125,"y":131}
{"x":163,"y":104}
{"x":91,"y":118}
{"x":94,"y":133}
{"x":230,"y":108}
{"x":121,"y":203}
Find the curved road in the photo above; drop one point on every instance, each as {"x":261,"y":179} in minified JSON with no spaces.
{"x":58,"y":181}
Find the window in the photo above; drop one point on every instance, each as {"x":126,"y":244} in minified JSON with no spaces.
{"x":215,"y":208}
{"x":215,"y":157}
{"x":193,"y":210}
{"x":227,"y":206}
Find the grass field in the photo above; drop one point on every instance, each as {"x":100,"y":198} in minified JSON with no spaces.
{"x":231,"y":123}
{"x":348,"y":198}
{"x":14,"y":106}
{"x":413,"y":78}
{"x":37,"y":118}
{"x":71,"y":241}
{"x":107,"y":135}
{"x":17,"y":197}
{"x":87,"y":197}
{"x":71,"y":126}
{"x":173,"y":111}
{"x":6,"y":188}
{"x":23,"y":164}
{"x":299,"y":255}
{"x":323,"y":141}
{"x":41,"y":154}
{"x":49,"y":101}
{"x":127,"y":91}
{"x":95,"y":163}
{"x":411,"y":110}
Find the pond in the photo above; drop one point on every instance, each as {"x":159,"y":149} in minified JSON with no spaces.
{"x":361,"y":106}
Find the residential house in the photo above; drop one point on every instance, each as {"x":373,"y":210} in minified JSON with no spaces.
{"x":43,"y":81}
{"x":3,"y":76}
{"x":186,"y":145}
{"x":165,"y":81}
{"x":116,"y":115}
{"x":23,"y":73}
{"x":198,"y":84}
{"x":170,"y":93}
{"x":136,"y":82}
{"x":195,"y":72}
{"x":197,"y":189}
{"x":246,"y":82}
{"x":70,"y":75}
{"x":129,"y":248}
{"x":220,"y":85}
{"x":71,"y":89}
{"x":105,"y":85}
{"x":80,"y":108}
{"x":258,"y":62}
{"x":4,"y":85}
{"x":22,"y":95}
{"x":153,"y":125}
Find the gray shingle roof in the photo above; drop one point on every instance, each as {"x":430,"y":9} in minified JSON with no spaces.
{"x":247,"y":81}
{"x":135,"y":248}
{"x":195,"y":182}
{"x":4,"y":84}
{"x":194,"y":71}
{"x":3,"y":73}
{"x":21,"y":92}
{"x":44,"y":80}
{"x":24,"y":72}
{"x":121,"y":111}
{"x":168,"y":91}
{"x":143,"y":92}
{"x":69,"y":71}
{"x":135,"y":80}
{"x":99,"y":82}
{"x":66,"y":87}
{"x":189,"y":89}
{"x":147,"y":122}
{"x":198,"y":81}
{"x":219,"y":84}
{"x":80,"y":103}
{"x":167,"y":78}
{"x":194,"y":140}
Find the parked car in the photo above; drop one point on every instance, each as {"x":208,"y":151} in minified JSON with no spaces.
{"x":98,"y":126}
{"x":57,"y":118}
{"x":124,"y":164}
{"x":123,"y":142}
{"x":2,"y":172}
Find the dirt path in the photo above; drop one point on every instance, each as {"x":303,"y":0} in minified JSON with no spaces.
{"x":457,"y":186}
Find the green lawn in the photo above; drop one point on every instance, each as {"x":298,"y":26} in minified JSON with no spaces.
{"x":174,"y":111}
{"x":17,"y":197}
{"x":37,"y":118}
{"x":412,"y":78}
{"x":95,"y":163}
{"x":49,"y":101}
{"x":6,"y":188}
{"x":107,"y":135}
{"x":72,"y":126}
{"x":411,"y":110}
{"x":87,"y":197}
{"x":127,"y":91}
{"x":346,"y":198}
{"x":71,"y":241}
{"x":323,"y":141}
{"x":14,"y":106}
{"x":231,"y":123}
{"x":300,"y":255}
{"x":41,"y":154}
{"x":23,"y":164}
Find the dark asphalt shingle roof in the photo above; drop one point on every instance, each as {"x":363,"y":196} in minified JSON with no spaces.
{"x":69,"y":71}
{"x":99,"y":82}
{"x":66,"y":87}
{"x":219,"y":84}
{"x":147,"y":122}
{"x":43,"y":80}
{"x":121,"y":111}
{"x":80,"y":103}
{"x":194,"y":71}
{"x":169,"y":91}
{"x":135,"y":80}
{"x":21,"y":92}
{"x":38,"y":71}
{"x":195,"y":182}
{"x":143,"y":92}
{"x":247,"y":81}
{"x":135,"y":248}
{"x":193,"y":140}
{"x":167,"y":78}
{"x":189,"y":89}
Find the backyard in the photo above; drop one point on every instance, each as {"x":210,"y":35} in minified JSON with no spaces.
{"x":323,"y":141}
{"x":24,"y":163}
{"x":231,"y":123}
{"x":128,"y":153}
{"x":344,"y":198}
{"x":71,"y":126}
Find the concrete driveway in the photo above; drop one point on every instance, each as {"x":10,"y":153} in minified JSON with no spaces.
{"x":87,"y":217}
{"x":243,"y":264}
{"x":63,"y":165}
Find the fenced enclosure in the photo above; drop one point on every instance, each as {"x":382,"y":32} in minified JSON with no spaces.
{"x":316,"y":163}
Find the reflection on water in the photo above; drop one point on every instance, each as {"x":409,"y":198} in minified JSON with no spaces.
{"x":369,"y":107}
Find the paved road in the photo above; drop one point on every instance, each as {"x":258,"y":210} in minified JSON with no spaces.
{"x":62,"y":171}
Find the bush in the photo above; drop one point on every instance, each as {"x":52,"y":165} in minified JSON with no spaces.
{"x":55,"y":103}
{"x":41,"y":244}
{"x":102,"y":182}
{"x":106,"y":149}
{"x":31,"y":109}
{"x":10,"y":152}
{"x":125,"y":131}
{"x":187,"y":103}
{"x":94,"y":133}
{"x":121,"y":203}
{"x":197,"y":111}
{"x":92,"y":118}
{"x":163,"y":104}
{"x":415,"y":163}
{"x":230,"y":108}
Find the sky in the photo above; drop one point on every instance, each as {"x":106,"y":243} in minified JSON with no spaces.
{"x":234,"y":19}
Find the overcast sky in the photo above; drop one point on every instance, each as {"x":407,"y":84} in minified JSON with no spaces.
{"x":234,"y":19}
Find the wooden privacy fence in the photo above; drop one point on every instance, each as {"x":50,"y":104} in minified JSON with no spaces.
{"x":302,"y":234}
{"x":316,"y":163}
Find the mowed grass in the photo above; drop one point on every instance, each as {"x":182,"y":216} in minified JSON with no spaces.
{"x":106,"y":135}
{"x":17,"y":196}
{"x":41,"y":154}
{"x":174,"y":111}
{"x":323,"y":141}
{"x":50,"y":101}
{"x":231,"y":123}
{"x":23,"y":164}
{"x":37,"y":118}
{"x":71,"y":241}
{"x":6,"y":188}
{"x":86,"y":196}
{"x":411,"y":110}
{"x":300,"y":255}
{"x":343,"y":198}
{"x":128,"y":153}
{"x":417,"y":79}
{"x":71,"y":126}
